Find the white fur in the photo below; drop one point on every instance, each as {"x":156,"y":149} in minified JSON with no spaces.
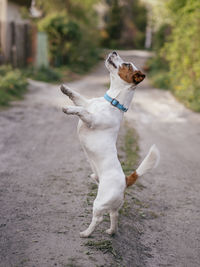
{"x":150,"y":161}
{"x":98,"y":129}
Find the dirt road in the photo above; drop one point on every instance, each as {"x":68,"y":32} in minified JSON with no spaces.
{"x":46,"y":195}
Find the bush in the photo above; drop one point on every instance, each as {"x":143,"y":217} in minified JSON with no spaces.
{"x":178,"y":59}
{"x":12,"y":85}
{"x":159,"y":72}
{"x":161,"y":36}
{"x":63,"y":34}
{"x":161,"y":80}
{"x":125,"y":25}
{"x":44,"y":74}
{"x":4,"y":69}
{"x":183,"y":52}
{"x":70,"y":42}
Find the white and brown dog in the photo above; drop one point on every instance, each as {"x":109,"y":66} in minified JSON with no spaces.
{"x":98,"y":128}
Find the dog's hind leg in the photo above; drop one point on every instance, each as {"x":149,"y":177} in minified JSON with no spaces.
{"x":94,"y":175}
{"x":83,"y":114}
{"x":113,"y":222}
{"x":78,"y":99}
{"x":96,"y":219}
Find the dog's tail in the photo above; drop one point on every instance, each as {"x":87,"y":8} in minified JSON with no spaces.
{"x":150,"y":161}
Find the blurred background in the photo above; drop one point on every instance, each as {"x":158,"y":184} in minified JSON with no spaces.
{"x":56,"y":40}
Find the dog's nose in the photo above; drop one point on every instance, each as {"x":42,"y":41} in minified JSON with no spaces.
{"x":114,"y":53}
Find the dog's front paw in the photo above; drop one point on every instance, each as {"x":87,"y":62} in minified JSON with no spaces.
{"x":69,"y":110}
{"x":67,"y":91}
{"x":64,"y":89}
{"x":110,"y":231}
{"x":65,"y":110}
{"x":84,"y":234}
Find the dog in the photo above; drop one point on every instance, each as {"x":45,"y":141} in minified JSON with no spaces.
{"x":98,"y":127}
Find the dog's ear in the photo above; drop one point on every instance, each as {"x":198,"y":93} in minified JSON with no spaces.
{"x":127,"y":74}
{"x":138,"y":76}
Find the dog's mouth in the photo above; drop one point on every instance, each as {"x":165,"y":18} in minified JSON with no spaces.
{"x":112,"y":63}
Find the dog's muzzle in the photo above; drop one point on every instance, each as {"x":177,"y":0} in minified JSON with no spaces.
{"x":111,"y":57}
{"x":111,"y":62}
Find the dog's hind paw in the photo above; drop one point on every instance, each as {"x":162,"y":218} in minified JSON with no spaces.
{"x":95,"y":178}
{"x":110,"y":231}
{"x":84,"y":234}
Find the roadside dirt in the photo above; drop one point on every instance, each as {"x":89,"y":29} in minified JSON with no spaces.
{"x":46,"y":195}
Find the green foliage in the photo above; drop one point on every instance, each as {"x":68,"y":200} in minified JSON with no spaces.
{"x":44,"y":74}
{"x":177,"y":64}
{"x":174,"y":6}
{"x":4,"y":69}
{"x":161,"y":80}
{"x":160,"y":37}
{"x":71,"y":6}
{"x":131,"y":150}
{"x":126,"y":25}
{"x":159,"y":72}
{"x":70,"y":42}
{"x":183,"y":52}
{"x":12,"y":85}
{"x":114,"y":25}
{"x":138,"y":14}
{"x":71,"y":27}
{"x":63,"y":34}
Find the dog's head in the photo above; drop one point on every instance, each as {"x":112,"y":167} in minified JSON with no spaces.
{"x":125,"y":70}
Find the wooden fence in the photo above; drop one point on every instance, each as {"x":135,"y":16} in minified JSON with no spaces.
{"x":17,"y":43}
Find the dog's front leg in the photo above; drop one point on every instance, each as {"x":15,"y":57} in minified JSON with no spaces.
{"x":78,"y":99}
{"x":83,"y":114}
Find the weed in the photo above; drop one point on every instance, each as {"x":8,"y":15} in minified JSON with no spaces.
{"x":125,"y":209}
{"x":94,"y":187}
{"x":103,"y":245}
{"x":88,"y":201}
{"x":12,"y":85}
{"x":92,"y":194}
{"x":72,"y":262}
{"x":131,"y":150}
{"x":45,"y":74}
{"x":140,"y":186}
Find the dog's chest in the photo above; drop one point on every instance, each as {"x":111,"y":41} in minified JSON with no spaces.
{"x":105,"y":130}
{"x":105,"y":115}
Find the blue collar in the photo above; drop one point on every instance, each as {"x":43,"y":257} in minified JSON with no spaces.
{"x":115,"y":102}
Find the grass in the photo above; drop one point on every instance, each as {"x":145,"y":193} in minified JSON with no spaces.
{"x":104,"y":246}
{"x":45,"y":74}
{"x":131,"y":150}
{"x":52,"y":75}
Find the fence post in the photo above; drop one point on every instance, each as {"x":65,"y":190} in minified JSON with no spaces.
{"x":13,"y":51}
{"x":42,"y":50}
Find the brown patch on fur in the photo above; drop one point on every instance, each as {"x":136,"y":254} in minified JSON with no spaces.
{"x":131,"y":179}
{"x":127,"y":74}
